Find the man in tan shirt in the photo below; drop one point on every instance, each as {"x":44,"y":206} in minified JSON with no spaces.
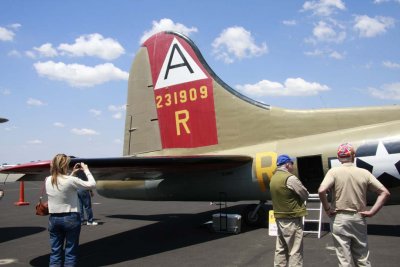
{"x":349,"y":186}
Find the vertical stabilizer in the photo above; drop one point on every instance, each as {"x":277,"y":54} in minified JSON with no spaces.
{"x":142,"y":133}
{"x":170,"y":98}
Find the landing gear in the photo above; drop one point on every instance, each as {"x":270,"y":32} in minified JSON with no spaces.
{"x":256,"y":215}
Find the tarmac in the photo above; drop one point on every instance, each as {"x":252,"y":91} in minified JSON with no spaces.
{"x":141,"y":233}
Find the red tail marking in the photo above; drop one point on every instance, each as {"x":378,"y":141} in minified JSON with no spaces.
{"x":183,"y":92}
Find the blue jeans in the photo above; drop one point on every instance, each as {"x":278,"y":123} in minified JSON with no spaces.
{"x":64,"y":227}
{"x":85,"y":205}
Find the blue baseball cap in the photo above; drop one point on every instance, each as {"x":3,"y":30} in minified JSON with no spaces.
{"x":283,"y":159}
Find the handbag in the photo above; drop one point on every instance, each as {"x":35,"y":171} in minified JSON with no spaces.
{"x":42,"y":207}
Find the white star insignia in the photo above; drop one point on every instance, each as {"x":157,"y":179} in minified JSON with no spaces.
{"x":383,"y":162}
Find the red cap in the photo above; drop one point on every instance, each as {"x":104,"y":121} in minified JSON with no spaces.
{"x":345,"y":150}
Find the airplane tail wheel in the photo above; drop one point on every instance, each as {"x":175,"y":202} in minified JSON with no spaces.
{"x":259,"y":219}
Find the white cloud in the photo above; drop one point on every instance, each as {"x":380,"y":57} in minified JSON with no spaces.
{"x":30,"y":54}
{"x":325,"y":53}
{"x":289,"y":22}
{"x":46,"y":50}
{"x":336,"y":55}
{"x":117,"y":115}
{"x":370,"y":27}
{"x":386,"y":1}
{"x":391,"y":65}
{"x":6,"y":35}
{"x":84,"y":131}
{"x":324,"y":32}
{"x":14,"y":53}
{"x":93,"y":45}
{"x":59,"y":124}
{"x":34,"y":142}
{"x":5,"y":92}
{"x":237,"y":42}
{"x":34,"y":102}
{"x":323,"y":7}
{"x":315,"y":53}
{"x":95,"y":112}
{"x":114,"y":108}
{"x":291,"y":87}
{"x":117,"y":111}
{"x":166,"y":25}
{"x":78,"y":75}
{"x":387,"y":91}
{"x":15,"y":26}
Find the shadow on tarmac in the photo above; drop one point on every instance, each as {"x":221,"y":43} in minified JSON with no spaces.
{"x":384,"y":230}
{"x":10,"y":233}
{"x":169,"y":232}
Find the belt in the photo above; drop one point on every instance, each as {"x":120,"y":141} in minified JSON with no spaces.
{"x":62,"y":214}
{"x":351,"y":212}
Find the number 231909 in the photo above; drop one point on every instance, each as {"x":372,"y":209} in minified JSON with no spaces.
{"x":181,"y":97}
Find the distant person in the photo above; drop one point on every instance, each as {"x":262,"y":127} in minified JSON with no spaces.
{"x":349,"y":186}
{"x":64,"y":219}
{"x":288,"y":196}
{"x":85,"y":202}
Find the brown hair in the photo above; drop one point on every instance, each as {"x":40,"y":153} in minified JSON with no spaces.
{"x":59,"y":165}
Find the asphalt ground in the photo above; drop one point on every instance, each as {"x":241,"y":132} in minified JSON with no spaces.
{"x":140,"y":233}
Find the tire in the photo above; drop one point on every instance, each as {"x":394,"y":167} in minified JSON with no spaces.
{"x":260,"y":219}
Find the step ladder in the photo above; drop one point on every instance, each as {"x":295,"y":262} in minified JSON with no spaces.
{"x":314,"y":214}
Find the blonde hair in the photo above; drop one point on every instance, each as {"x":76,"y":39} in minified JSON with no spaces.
{"x":59,"y":165}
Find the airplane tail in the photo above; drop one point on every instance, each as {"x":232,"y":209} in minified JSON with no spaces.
{"x":177,"y":104}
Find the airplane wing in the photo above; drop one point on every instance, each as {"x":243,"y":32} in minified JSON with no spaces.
{"x":126,"y":168}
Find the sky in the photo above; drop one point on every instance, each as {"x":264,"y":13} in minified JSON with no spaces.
{"x":64,"y":65}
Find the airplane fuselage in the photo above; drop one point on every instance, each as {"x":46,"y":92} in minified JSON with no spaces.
{"x":375,"y":152}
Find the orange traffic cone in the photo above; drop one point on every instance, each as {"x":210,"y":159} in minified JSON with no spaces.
{"x":21,"y":201}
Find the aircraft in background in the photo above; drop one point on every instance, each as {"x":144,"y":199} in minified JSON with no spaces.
{"x":3,"y":120}
{"x":190,"y":137}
